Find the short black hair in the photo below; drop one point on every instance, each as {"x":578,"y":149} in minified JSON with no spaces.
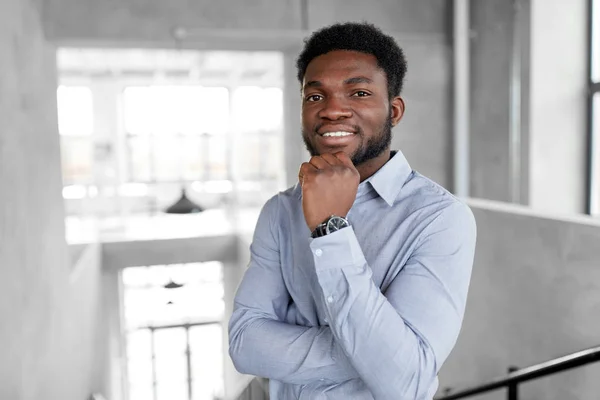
{"x":362,"y":37}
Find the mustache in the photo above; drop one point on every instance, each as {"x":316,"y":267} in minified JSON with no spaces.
{"x":356,"y":128}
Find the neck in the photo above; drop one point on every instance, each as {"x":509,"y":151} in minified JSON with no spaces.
{"x":368,"y":168}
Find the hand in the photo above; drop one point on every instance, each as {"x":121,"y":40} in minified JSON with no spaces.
{"x":329,"y":184}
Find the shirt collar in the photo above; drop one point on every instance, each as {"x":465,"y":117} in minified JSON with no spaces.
{"x":387,"y":181}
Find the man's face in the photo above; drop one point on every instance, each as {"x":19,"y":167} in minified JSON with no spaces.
{"x":345,"y":106}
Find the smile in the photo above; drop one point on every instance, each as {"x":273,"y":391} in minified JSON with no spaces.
{"x":337,"y":134}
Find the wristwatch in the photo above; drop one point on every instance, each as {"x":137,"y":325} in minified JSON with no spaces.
{"x":331,"y":224}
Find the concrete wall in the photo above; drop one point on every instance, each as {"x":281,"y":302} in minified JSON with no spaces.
{"x":491,"y":28}
{"x":48,"y":315}
{"x":558,"y":105}
{"x":534,"y":296}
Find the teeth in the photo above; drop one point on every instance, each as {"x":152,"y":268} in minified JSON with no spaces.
{"x":337,"y":134}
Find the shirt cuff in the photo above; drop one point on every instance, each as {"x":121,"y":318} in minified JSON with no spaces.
{"x":337,"y":250}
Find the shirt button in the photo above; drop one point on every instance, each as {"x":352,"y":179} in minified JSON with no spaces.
{"x":318,"y":252}
{"x":330,"y":299}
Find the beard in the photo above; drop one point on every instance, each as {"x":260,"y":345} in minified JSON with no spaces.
{"x":367,"y":151}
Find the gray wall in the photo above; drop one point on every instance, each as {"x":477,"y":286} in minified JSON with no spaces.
{"x":491,"y":30}
{"x":534,"y":296}
{"x":558,"y":105}
{"x":48,"y":320}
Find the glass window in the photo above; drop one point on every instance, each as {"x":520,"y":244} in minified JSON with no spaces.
{"x":257,"y":109}
{"x":595,"y":189}
{"x":162,"y":324}
{"x":75,"y":125}
{"x":189,"y":109}
{"x":75,"y":110}
{"x":176,"y":132}
{"x":595,"y":40}
{"x":595,"y":117}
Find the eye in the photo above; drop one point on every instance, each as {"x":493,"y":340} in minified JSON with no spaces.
{"x":361,"y":93}
{"x":313,"y":97}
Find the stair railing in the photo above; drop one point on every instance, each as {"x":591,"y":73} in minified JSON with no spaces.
{"x":516,"y":376}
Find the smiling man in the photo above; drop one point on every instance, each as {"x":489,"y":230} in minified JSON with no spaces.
{"x":358,"y":277}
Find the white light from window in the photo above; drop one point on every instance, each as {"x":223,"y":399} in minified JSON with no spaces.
{"x":75,"y":110}
{"x":257,"y":109}
{"x":74,"y":192}
{"x":92,"y":191}
{"x":223,"y":186}
{"x":595,"y":190}
{"x":133,"y":190}
{"x":176,"y":109}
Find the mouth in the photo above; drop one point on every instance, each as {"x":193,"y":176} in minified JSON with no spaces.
{"x":336,"y":138}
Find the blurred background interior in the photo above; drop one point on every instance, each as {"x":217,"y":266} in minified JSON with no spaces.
{"x":139,"y":139}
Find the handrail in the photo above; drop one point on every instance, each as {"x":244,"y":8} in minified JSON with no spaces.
{"x":511,"y":380}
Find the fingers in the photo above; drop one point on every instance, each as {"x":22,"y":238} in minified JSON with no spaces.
{"x":306,"y":169}
{"x":331,"y":159}
{"x":319,"y":162}
{"x":344,"y":159}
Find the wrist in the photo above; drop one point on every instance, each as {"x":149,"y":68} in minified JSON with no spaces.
{"x":332,"y":224}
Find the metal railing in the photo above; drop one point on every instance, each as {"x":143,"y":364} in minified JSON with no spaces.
{"x":516,"y":376}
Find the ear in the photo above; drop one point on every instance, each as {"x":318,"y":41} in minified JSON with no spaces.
{"x":397,"y":109}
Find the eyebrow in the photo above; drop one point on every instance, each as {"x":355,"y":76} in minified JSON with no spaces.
{"x":358,"y":79}
{"x":349,"y":81}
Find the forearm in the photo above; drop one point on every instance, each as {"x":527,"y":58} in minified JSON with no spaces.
{"x":396,"y":340}
{"x":391,"y":359}
{"x":284,"y":352}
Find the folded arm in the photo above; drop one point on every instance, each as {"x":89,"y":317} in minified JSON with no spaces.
{"x":398,"y":340}
{"x":260,"y":342}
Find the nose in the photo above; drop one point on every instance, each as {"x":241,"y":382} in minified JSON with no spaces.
{"x":335,"y":108}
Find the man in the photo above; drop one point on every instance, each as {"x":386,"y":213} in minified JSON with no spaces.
{"x":358,"y":277}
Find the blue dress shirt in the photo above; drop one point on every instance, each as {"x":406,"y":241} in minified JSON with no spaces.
{"x":369,"y":311}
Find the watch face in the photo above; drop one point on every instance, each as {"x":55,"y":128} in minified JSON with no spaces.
{"x":336,"y":223}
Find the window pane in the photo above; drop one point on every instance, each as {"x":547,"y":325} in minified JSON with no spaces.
{"x":168,"y":162}
{"x":207,"y":361}
{"x":172,"y":391}
{"x":140,"y":393}
{"x":139,"y":362}
{"x":170,"y":342}
{"x":194,"y":153}
{"x":595,"y":200}
{"x":136,"y":276}
{"x":139,"y":346}
{"x":218,"y":158}
{"x":595,"y":40}
{"x":139,"y":108}
{"x":189,"y":109}
{"x":75,"y":110}
{"x":250,"y":157}
{"x":139,"y":158}
{"x":257,"y":109}
{"x":77,"y":159}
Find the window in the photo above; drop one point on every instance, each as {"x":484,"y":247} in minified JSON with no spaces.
{"x":75,"y":125}
{"x":257,"y":123}
{"x":176,"y":133}
{"x":174,"y":335}
{"x":594,"y":100}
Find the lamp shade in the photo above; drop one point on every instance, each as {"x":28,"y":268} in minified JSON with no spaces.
{"x":184,"y":206}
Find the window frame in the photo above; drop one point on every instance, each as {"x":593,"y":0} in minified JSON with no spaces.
{"x":593,"y":89}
